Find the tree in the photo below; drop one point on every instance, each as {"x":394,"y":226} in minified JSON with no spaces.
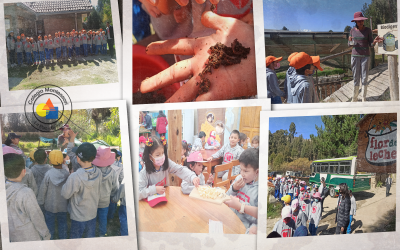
{"x":330,"y":31}
{"x":347,"y":28}
{"x":278,"y":161}
{"x":380,"y":11}
{"x":292,"y":131}
{"x":93,"y":20}
{"x":284,"y":28}
{"x":99,"y":115}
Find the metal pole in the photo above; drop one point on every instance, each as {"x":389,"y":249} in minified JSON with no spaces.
{"x":393,"y":78}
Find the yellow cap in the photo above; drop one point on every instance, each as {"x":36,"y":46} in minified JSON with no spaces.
{"x":56,"y":157}
{"x":287,"y":199}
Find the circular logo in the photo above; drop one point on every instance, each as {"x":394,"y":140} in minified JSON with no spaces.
{"x":45,"y":106}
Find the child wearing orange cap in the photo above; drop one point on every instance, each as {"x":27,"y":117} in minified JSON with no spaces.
{"x":85,"y":43}
{"x":81,"y":51}
{"x":23,"y":40}
{"x":98,"y":42}
{"x":93,"y":39}
{"x":28,"y":52}
{"x":301,"y":87}
{"x":51,"y":48}
{"x":35,"y":51}
{"x":57,"y":45}
{"x":19,"y":50}
{"x":64,"y":46}
{"x":104,"y":43}
{"x":272,"y":63}
{"x":89,"y":41}
{"x":77,"y":43}
{"x":69,"y":44}
{"x":290,"y":76}
{"x":41,"y":49}
{"x":46,"y":48}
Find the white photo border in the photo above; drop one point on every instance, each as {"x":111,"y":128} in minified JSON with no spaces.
{"x":355,"y":241}
{"x":84,"y":93}
{"x":125,"y":242}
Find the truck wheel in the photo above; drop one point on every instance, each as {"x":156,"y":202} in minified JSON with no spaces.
{"x":332,"y":192}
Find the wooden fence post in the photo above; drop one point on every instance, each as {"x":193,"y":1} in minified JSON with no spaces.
{"x":393,"y":77}
{"x":174,"y":141}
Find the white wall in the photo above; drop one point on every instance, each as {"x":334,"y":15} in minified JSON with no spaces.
{"x":188,"y":122}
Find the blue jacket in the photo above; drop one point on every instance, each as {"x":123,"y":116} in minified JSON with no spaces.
{"x":273,"y":84}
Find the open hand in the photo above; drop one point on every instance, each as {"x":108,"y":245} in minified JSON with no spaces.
{"x":209,"y":159}
{"x":72,"y":135}
{"x":196,"y":181}
{"x":378,"y":39}
{"x":226,"y":82}
{"x":233,"y":203}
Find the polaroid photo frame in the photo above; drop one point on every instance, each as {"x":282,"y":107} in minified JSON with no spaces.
{"x":129,"y":241}
{"x":357,"y":240}
{"x":80,"y":93}
{"x":297,"y":46}
{"x":184,"y":240}
{"x":129,"y":62}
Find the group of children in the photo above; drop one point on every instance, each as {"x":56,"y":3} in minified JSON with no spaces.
{"x":300,"y":205}
{"x":153,"y":177}
{"x":83,"y":181}
{"x":299,"y":84}
{"x":65,"y":45}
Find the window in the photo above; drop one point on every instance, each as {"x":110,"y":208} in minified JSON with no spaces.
{"x":324,"y":167}
{"x":345,"y":167}
{"x":7,"y":23}
{"x":318,"y":168}
{"x":333,"y":167}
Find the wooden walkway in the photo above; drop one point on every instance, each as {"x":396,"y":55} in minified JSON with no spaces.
{"x":378,"y":83}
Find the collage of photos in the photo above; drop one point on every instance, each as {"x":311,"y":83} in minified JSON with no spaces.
{"x":184,"y":145}
{"x":211,"y":166}
{"x":192,"y":51}
{"x":331,"y":51}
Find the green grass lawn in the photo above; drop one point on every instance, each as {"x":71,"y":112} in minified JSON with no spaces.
{"x":94,"y":70}
{"x":274,"y":210}
{"x":327,"y":72}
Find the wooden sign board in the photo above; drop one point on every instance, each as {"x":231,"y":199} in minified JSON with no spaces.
{"x":377,"y":143}
{"x":388,"y":32}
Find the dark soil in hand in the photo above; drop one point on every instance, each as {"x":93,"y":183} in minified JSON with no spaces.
{"x":220,"y":54}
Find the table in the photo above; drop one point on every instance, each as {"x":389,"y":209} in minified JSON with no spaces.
{"x":182,"y":214}
{"x":208,"y":153}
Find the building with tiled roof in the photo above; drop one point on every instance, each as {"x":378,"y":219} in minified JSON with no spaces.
{"x":46,"y":17}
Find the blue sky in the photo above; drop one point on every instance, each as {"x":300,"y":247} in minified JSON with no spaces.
{"x":310,"y":15}
{"x":305,"y":125}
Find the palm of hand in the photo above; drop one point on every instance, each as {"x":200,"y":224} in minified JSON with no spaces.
{"x":226,"y":82}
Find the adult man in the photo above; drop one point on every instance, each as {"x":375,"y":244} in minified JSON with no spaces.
{"x":110,"y":38}
{"x":63,"y":139}
{"x":11,"y":48}
{"x":324,"y":191}
{"x":388,"y":184}
{"x":147,"y":121}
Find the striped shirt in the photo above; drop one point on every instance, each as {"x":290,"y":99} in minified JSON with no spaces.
{"x":363,"y":40}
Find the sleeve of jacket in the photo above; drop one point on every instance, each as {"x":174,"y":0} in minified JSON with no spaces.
{"x":186,"y":187}
{"x":346,"y":212}
{"x":157,"y":124}
{"x":208,"y":146}
{"x":35,"y":214}
{"x":32,"y":184}
{"x":182,"y":172}
{"x":121,"y":174}
{"x":272,"y":81}
{"x":145,"y":191}
{"x":219,"y":153}
{"x":71,"y":186}
{"x":43,"y":190}
{"x":72,"y":156}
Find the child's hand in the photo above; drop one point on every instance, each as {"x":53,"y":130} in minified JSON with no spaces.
{"x":253,"y":230}
{"x":210,"y":178}
{"x":350,"y":38}
{"x":233,"y":203}
{"x":210,"y":158}
{"x":186,"y":2}
{"x":226,"y":82}
{"x":160,"y":189}
{"x":151,"y":9}
{"x":239,"y":184}
{"x":72,"y":135}
{"x":196,"y":181}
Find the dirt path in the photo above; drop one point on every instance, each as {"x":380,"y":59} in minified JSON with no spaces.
{"x":374,"y":210}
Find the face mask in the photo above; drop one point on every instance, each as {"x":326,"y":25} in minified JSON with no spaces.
{"x":67,"y":162}
{"x":159,"y":161}
{"x":277,"y":66}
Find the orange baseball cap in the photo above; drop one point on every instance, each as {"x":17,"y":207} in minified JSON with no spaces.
{"x":270,"y":59}
{"x":62,"y":33}
{"x":39,"y":36}
{"x":317,"y":62}
{"x":292,"y":55}
{"x":49,"y":35}
{"x":300,"y":60}
{"x":45,"y":36}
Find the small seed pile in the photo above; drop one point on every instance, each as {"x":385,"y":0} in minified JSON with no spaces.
{"x":221,"y":55}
